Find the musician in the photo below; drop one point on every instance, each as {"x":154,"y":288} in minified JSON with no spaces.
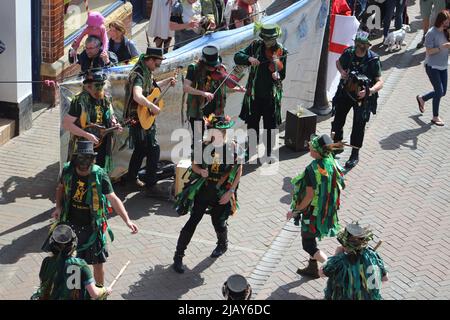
{"x":212,"y":187}
{"x":92,"y":106}
{"x":140,"y":85}
{"x":316,"y":201}
{"x":205,"y":95}
{"x":356,"y":271}
{"x":264,"y":86}
{"x":355,"y":63}
{"x":84,"y":197}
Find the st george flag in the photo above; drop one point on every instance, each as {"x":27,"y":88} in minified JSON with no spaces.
{"x":343,"y":28}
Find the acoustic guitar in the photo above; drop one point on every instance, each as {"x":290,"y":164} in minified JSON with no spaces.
{"x":145,"y":116}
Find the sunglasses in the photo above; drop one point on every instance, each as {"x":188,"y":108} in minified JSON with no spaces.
{"x":98,"y":85}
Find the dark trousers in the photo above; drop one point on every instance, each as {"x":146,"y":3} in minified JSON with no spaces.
{"x":218,"y":220}
{"x":343,"y":106}
{"x":438,"y":79}
{"x":265,"y":108}
{"x":309,"y":244}
{"x":390,"y":6}
{"x":100,"y":158}
{"x":197,"y":127}
{"x":151,"y":153}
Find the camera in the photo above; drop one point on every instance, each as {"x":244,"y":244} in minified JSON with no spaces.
{"x":358,"y":78}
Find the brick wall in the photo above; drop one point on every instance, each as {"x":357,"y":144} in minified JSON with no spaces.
{"x":52,"y":30}
{"x":55,"y":65}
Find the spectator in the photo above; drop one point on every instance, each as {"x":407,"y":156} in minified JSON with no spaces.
{"x":92,"y":56}
{"x":124,"y":48}
{"x":426,"y":8}
{"x":249,"y":8}
{"x":390,"y":6}
{"x":158,"y":26}
{"x":436,"y":63}
{"x":358,"y":7}
{"x":238,"y":18}
{"x":184,"y":19}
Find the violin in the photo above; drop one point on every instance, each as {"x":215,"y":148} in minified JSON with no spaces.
{"x":273,"y":55}
{"x":220,"y":74}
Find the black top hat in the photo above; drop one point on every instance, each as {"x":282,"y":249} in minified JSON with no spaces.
{"x":210,"y":55}
{"x":94,"y":76}
{"x":157,"y":53}
{"x":236,"y":287}
{"x":269,"y":31}
{"x":85,"y":147}
{"x":325,"y":140}
{"x":63,"y":234}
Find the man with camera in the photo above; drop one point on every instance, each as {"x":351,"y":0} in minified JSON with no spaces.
{"x":360,"y":69}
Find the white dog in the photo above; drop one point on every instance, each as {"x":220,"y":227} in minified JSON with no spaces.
{"x":396,"y":38}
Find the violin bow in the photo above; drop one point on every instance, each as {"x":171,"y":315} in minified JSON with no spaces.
{"x":220,"y":85}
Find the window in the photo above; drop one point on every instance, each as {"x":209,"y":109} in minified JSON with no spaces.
{"x":75,"y":15}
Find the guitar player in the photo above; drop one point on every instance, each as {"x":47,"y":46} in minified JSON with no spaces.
{"x":91,"y":106}
{"x":140,"y":85}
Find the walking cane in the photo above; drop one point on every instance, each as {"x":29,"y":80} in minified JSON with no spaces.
{"x":378,"y":245}
{"x":119,"y":275}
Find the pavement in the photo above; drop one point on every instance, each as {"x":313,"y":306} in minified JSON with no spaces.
{"x":400,"y":188}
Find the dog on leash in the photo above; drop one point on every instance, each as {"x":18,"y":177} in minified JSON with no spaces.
{"x":396,"y":38}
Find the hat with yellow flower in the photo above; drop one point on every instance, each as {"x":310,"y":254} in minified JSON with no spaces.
{"x":218,"y":122}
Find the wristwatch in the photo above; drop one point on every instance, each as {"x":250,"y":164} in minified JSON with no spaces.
{"x":232,"y":190}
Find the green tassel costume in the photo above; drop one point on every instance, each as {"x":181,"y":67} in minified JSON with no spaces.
{"x":256,"y":50}
{"x":83,"y":101}
{"x":97,"y":202}
{"x":320,"y":218}
{"x":54,"y":278}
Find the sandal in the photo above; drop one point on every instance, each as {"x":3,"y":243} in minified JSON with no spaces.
{"x":421,"y":106}
{"x":438,"y":122}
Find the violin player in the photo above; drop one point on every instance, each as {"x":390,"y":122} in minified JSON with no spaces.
{"x":207,"y":89}
{"x":267,"y":60}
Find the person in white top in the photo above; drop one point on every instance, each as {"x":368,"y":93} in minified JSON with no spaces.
{"x":158,"y":26}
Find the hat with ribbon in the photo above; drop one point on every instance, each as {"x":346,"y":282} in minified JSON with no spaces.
{"x":157,"y":53}
{"x":218,"y":122}
{"x":85,"y":147}
{"x":355,"y":238}
{"x":97,"y":76}
{"x":210,"y":55}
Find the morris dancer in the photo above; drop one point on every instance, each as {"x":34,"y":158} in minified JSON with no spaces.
{"x":316,"y":200}
{"x":356,"y":271}
{"x":212,"y":188}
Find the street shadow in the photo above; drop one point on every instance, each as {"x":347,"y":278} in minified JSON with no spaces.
{"x":283,"y":292}
{"x":163,"y":283}
{"x":36,"y":219}
{"x":41,"y":186}
{"x":140,"y":205}
{"x":28,"y":243}
{"x":407,"y":138}
{"x":394,"y":60}
{"x":287,"y":187}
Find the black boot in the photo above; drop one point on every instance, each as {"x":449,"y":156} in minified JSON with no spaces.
{"x":178,"y":263}
{"x":354,"y":159}
{"x":311,"y":270}
{"x":222,"y":244}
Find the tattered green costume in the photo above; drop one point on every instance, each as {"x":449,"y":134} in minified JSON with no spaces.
{"x":255,"y":82}
{"x":354,"y":278}
{"x":201,"y":80}
{"x":142,"y":75}
{"x":54,"y":276}
{"x":83,"y":101}
{"x":97,"y":202}
{"x":357,"y":273}
{"x":320,"y":218}
{"x":185,"y":199}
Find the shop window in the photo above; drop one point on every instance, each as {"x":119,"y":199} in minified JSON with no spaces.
{"x":75,"y":15}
